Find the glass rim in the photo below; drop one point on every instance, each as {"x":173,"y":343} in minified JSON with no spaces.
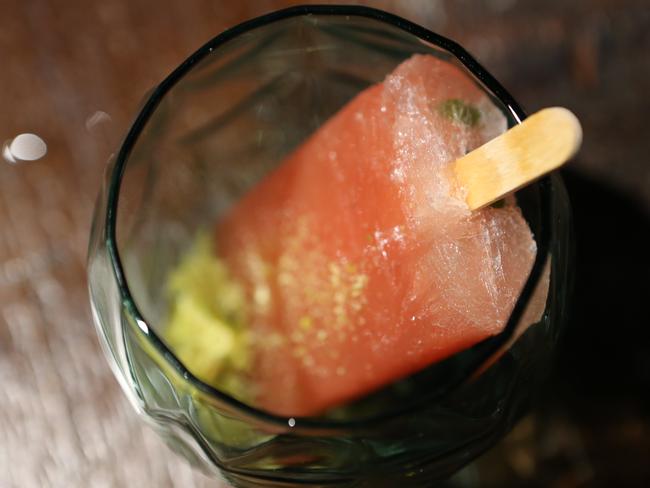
{"x":488,"y":346}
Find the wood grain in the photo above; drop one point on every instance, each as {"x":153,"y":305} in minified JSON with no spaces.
{"x":540,"y":144}
{"x":74,"y":73}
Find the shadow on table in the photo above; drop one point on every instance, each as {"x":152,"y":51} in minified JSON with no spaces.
{"x":607,"y":344}
{"x":592,"y":425}
{"x":603,"y":372}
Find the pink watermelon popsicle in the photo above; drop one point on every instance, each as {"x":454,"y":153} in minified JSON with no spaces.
{"x":359,"y":263}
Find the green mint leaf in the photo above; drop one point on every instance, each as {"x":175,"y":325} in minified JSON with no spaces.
{"x":459,"y":111}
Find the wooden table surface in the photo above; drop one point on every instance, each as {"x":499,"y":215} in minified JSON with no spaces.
{"x":74,"y":72}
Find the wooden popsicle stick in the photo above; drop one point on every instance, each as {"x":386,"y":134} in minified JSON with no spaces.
{"x":541,"y":143}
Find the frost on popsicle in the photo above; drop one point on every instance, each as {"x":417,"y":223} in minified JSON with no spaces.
{"x":358,"y":261}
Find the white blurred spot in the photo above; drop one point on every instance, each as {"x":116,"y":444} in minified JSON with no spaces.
{"x":97,"y":118}
{"x":292,"y":422}
{"x":24,"y":147}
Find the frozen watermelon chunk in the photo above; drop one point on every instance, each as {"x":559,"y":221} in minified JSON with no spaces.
{"x":360,"y":262}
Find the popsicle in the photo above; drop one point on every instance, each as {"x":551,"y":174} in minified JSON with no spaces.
{"x":358,"y":256}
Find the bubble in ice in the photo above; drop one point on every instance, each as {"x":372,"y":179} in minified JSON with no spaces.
{"x":24,"y":147}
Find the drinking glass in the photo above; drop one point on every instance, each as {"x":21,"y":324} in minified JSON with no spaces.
{"x":213,"y":128}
